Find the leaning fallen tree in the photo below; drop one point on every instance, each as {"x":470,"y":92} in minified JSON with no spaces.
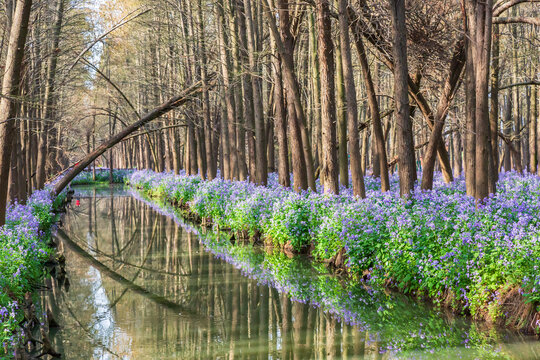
{"x":174,"y":102}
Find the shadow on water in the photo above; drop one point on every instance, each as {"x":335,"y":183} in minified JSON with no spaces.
{"x":143,"y":284}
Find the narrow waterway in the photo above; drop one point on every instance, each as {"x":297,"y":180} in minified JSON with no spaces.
{"x":144,"y":284}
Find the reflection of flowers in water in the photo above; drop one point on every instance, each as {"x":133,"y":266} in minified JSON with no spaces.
{"x":397,"y":324}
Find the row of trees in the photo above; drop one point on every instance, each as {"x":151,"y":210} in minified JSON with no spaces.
{"x":317,"y":89}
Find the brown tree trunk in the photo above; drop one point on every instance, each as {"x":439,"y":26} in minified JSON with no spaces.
{"x":50,"y":98}
{"x":210,"y":165}
{"x":229,"y":99}
{"x":470,"y":120}
{"x":285,"y":47}
{"x":10,"y":89}
{"x":351,"y":105}
{"x":343,"y":160}
{"x":407,"y":163}
{"x":479,"y":20}
{"x":261,"y":160}
{"x":280,"y":123}
{"x":328,"y":105}
{"x":494,"y":108}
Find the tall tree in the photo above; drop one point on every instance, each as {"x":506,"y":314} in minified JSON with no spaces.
{"x":46,"y":135}
{"x":407,"y":163}
{"x":10,"y":90}
{"x":351,"y":105}
{"x":479,"y":20}
{"x":328,"y":104}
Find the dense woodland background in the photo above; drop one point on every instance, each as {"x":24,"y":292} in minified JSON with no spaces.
{"x":316,"y":88}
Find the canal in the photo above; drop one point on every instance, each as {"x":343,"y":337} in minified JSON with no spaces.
{"x":142,"y":283}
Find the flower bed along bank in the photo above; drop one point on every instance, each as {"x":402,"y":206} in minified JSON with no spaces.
{"x":24,"y":250}
{"x":437,"y":244}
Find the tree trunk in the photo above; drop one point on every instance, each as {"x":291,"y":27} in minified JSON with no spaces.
{"x":328,"y":105}
{"x":341,"y":119}
{"x":210,"y":165}
{"x":280,"y":122}
{"x":50,"y":98}
{"x":229,"y":99}
{"x":407,"y":163}
{"x":10,"y":89}
{"x":351,"y":105}
{"x":479,"y":19}
{"x":494,"y":108}
{"x":374,"y":111}
{"x":261,"y":160}
{"x":285,"y":48}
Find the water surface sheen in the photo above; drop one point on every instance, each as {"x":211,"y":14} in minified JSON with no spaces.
{"x":143,"y":284}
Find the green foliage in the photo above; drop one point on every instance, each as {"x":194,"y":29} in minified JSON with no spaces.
{"x":23,"y":253}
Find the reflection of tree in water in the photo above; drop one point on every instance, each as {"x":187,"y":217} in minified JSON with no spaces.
{"x":167,"y":297}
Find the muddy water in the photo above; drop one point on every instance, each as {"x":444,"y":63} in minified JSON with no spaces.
{"x":143,"y":284}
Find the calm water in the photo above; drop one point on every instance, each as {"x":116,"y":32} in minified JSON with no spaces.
{"x":145,"y":285}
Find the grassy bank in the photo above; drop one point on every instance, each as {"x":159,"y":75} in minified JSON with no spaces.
{"x":102,"y":177}
{"x":483,"y":261}
{"x":24,"y":250}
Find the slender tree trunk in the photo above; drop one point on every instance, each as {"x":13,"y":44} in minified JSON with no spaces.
{"x":261,"y":160}
{"x":351,"y":105}
{"x":343,"y":160}
{"x":50,"y":98}
{"x":315,"y":89}
{"x":211,"y":170}
{"x":494,"y":108}
{"x":328,"y":105}
{"x":229,"y":99}
{"x":470,"y":119}
{"x":280,"y":123}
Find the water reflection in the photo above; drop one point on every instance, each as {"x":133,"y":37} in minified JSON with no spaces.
{"x":144,"y":285}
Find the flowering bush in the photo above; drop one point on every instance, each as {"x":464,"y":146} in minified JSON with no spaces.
{"x":23,"y":253}
{"x":437,"y":243}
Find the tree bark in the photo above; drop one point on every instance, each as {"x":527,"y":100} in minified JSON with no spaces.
{"x":351,"y":105}
{"x":50,"y":98}
{"x":328,"y":104}
{"x":374,"y":110}
{"x":280,"y":122}
{"x":407,"y":163}
{"x":10,"y":89}
{"x":261,"y":160}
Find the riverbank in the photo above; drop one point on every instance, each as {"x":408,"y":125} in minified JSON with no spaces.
{"x":25,"y":248}
{"x":438,"y":245}
{"x":102,"y":176}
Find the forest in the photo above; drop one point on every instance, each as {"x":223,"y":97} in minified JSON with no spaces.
{"x":395,"y":142}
